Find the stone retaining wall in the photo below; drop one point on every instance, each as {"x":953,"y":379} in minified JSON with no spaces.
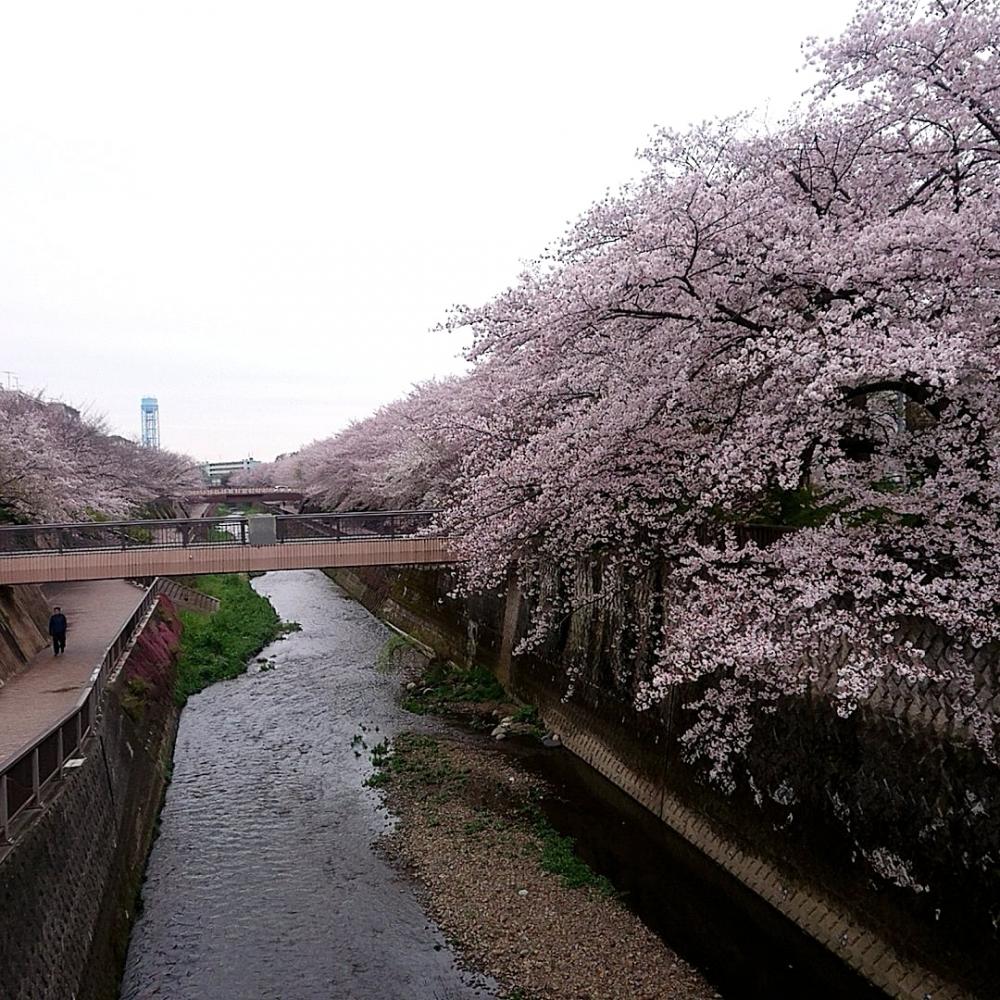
{"x":68,"y":882}
{"x":811,"y":871}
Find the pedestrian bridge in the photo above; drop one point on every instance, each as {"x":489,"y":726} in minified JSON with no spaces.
{"x":113,"y":550}
{"x":239,"y":494}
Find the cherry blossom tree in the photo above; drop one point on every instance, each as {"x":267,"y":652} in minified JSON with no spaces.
{"x":795,"y":328}
{"x":58,"y":464}
{"x":399,"y":457}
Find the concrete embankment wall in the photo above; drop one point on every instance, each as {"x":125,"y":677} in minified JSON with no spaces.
{"x":68,"y":883}
{"x":24,"y":618}
{"x":865,"y":833}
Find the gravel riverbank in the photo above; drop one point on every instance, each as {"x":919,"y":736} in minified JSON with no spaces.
{"x":506,"y":889}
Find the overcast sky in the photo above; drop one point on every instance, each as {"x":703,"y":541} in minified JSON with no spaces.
{"x":258,"y":212}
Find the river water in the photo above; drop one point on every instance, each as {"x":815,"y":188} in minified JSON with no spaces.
{"x":263,"y":884}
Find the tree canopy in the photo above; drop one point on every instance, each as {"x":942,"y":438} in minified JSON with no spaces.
{"x":58,"y":464}
{"x":795,"y":326}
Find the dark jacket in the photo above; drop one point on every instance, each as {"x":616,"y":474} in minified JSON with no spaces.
{"x":57,"y":624}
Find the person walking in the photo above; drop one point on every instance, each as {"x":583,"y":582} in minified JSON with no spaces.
{"x":57,"y":629}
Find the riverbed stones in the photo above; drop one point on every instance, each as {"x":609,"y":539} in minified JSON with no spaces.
{"x":478,"y":857}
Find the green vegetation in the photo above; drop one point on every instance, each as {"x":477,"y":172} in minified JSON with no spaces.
{"x":419,"y":760}
{"x":445,"y":683}
{"x":421,"y":764}
{"x":798,"y":508}
{"x":804,"y":508}
{"x":135,"y":698}
{"x":528,"y":714}
{"x":217,"y":647}
{"x":139,"y":536}
{"x":559,"y":858}
{"x":219,"y":535}
{"x":389,"y":655}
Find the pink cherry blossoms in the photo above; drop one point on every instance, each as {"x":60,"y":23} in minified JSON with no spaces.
{"x":403,"y":455}
{"x":58,"y":465}
{"x":797,"y":328}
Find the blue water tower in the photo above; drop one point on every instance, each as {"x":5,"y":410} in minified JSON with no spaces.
{"x":150,"y":422}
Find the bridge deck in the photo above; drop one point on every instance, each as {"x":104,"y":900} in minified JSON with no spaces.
{"x":239,"y":494}
{"x":139,"y":562}
{"x":114,"y":550}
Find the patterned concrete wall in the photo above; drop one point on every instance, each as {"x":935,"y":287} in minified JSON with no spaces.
{"x":51,"y":886}
{"x":817,"y":913}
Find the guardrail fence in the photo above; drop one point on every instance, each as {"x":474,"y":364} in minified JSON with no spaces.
{"x":26,"y":772}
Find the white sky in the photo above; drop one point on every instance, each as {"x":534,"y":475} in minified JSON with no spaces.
{"x":257,"y":212}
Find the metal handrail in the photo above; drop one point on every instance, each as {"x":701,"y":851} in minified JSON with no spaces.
{"x":27,"y":771}
{"x":78,"y":536}
{"x":159,"y":521}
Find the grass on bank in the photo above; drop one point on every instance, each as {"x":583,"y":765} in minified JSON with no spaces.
{"x":423,"y":765}
{"x":560,"y":858}
{"x":417,"y":759}
{"x":218,"y":647}
{"x":445,"y":683}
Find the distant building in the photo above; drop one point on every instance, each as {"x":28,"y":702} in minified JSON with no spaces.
{"x":150,"y":410}
{"x":219,"y":473}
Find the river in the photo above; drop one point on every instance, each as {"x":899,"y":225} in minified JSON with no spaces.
{"x":263,"y":883}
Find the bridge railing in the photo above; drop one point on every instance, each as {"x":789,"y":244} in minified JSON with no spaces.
{"x":23,"y":540}
{"x":391,"y":524}
{"x":26,"y":772}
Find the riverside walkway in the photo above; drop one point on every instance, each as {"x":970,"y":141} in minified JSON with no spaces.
{"x":113,"y":550}
{"x":49,"y":687}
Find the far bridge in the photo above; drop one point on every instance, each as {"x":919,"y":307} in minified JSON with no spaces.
{"x":239,"y":494}
{"x":112,"y":550}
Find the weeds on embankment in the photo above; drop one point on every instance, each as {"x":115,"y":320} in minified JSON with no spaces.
{"x":443,"y":685}
{"x":217,"y":647}
{"x":437,"y":773}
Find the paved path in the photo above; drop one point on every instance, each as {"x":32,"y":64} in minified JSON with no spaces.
{"x":34,"y":699}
